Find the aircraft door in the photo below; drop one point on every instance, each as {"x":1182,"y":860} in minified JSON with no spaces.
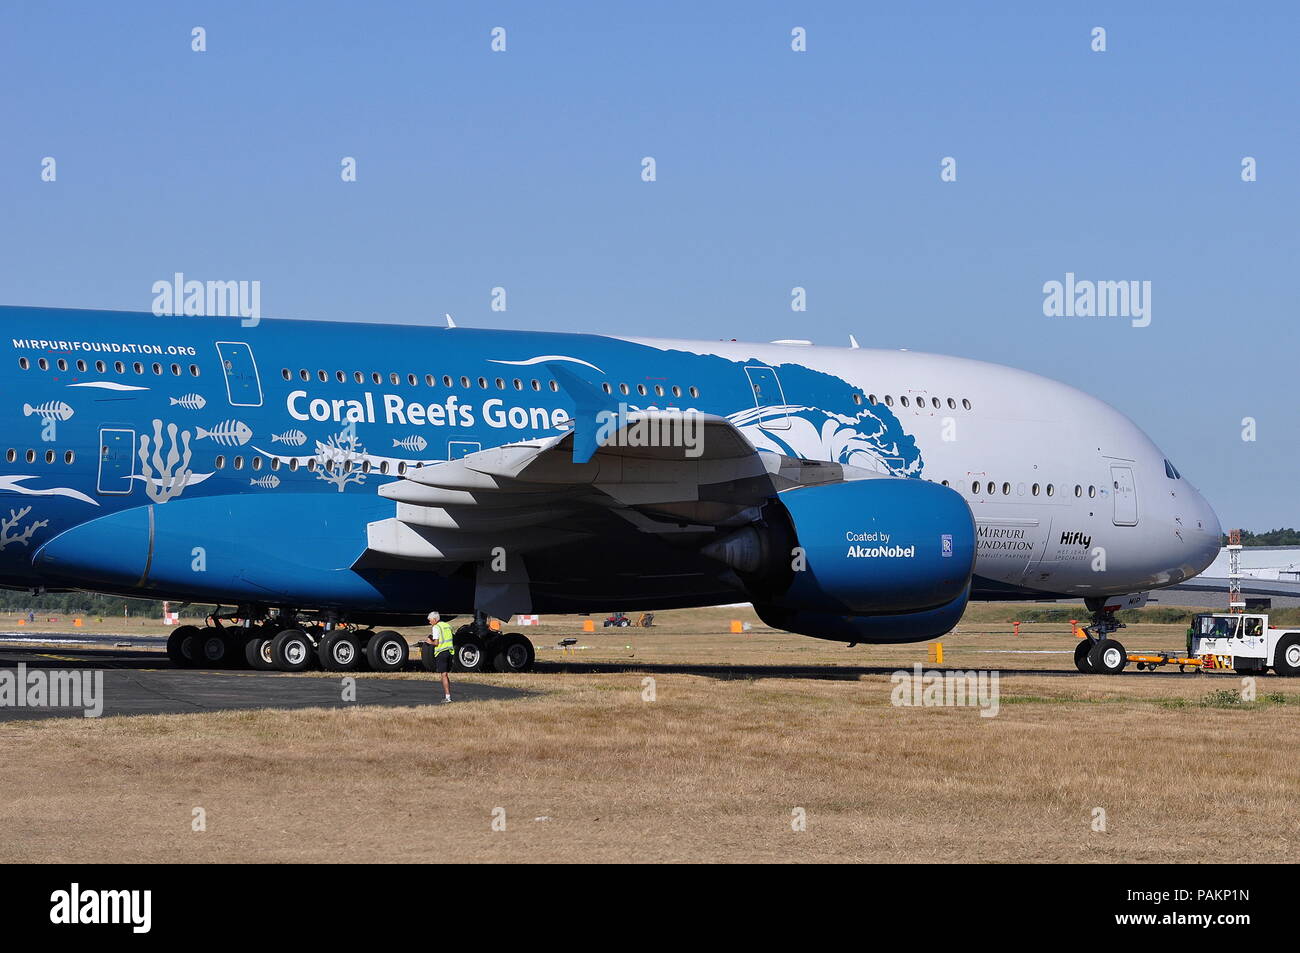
{"x":766,"y":387}
{"x":116,"y":461}
{"x":243,"y":384}
{"x":462,"y":448}
{"x":1125,"y":490}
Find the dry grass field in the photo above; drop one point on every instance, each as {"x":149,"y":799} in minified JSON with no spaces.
{"x":743,"y":730}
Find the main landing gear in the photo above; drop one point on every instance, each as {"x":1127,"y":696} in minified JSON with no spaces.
{"x":1098,"y":653}
{"x":289,"y":642}
{"x":480,"y":649}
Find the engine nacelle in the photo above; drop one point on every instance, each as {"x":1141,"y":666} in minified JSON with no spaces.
{"x":862,"y":548}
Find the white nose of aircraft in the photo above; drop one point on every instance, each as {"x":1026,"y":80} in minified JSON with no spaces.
{"x":1203,"y":533}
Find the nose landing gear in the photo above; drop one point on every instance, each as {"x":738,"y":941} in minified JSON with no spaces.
{"x":1098,"y":653}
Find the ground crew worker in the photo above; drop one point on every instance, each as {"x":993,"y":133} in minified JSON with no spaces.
{"x":443,"y":652}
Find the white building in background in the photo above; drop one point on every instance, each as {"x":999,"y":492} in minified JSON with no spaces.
{"x":1267,"y":572}
{"x":1274,"y":563}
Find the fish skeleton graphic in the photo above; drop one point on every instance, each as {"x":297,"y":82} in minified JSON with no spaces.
{"x":50,"y":410}
{"x":228,"y":433}
{"x":415,"y":443}
{"x":292,"y":438}
{"x":269,"y":482}
{"x":190,"y":401}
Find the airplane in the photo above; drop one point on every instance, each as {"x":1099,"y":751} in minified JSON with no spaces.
{"x":319,"y":480}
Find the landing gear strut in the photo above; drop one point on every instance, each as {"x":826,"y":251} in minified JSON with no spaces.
{"x":1098,"y":653}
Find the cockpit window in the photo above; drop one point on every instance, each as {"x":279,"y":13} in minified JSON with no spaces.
{"x":1172,"y":473}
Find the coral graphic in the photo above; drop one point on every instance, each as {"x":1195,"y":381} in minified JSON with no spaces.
{"x":16,"y":517}
{"x":339,"y":461}
{"x":165,"y":479}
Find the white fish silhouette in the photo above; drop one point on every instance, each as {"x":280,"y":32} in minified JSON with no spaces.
{"x":190,"y":401}
{"x":294,"y":438}
{"x":268,"y":482}
{"x":228,"y":433}
{"x":50,"y":410}
{"x":415,"y":443}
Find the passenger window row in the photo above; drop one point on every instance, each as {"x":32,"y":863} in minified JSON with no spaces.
{"x":659,"y":390}
{"x":51,"y":456}
{"x":919,"y":402}
{"x":500,"y":383}
{"x":991,"y":488}
{"x":312,"y":465}
{"x":414,"y":380}
{"x":101,"y":367}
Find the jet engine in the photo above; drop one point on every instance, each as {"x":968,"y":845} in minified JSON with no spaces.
{"x":882,"y":559}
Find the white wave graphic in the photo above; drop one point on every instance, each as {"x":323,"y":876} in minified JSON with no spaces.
{"x":108,"y":385}
{"x":12,"y":483}
{"x":549,"y":357}
{"x":194,"y":480}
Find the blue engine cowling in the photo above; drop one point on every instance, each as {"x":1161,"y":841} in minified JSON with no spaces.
{"x":875,"y":560}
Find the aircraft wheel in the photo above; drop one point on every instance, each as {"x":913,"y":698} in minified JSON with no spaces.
{"x":387,"y":651}
{"x":1286,"y":655}
{"x":292,"y":651}
{"x":179,"y":645}
{"x":514,"y":653}
{"x":257,"y":652}
{"x":1108,"y":657}
{"x":339,"y":651}
{"x":211,"y":648}
{"x":1081,"y":657}
{"x":471,"y":654}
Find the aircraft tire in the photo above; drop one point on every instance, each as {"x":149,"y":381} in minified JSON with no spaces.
{"x":387,"y":651}
{"x":471,"y":654}
{"x":513,"y":652}
{"x":340,"y":651}
{"x":292,"y":651}
{"x":1108,"y":657}
{"x":1081,"y":657}
{"x":257,"y":652}
{"x":179,"y":644}
{"x":211,"y":648}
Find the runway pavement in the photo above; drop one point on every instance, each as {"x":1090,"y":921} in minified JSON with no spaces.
{"x":138,"y":681}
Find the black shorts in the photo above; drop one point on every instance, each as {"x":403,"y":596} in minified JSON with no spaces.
{"x":442,"y":662}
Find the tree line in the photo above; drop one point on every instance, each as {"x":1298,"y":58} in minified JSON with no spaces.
{"x":1274,"y":537}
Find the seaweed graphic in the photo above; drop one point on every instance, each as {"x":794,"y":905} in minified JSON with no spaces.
{"x":16,"y":517}
{"x":339,"y":460}
{"x":171,"y":480}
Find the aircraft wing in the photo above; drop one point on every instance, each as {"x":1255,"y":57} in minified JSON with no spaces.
{"x":527,"y":496}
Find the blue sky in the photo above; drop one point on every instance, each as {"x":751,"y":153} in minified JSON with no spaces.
{"x":775,"y":169}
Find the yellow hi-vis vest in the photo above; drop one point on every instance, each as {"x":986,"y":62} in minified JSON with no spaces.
{"x":444,"y":638}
